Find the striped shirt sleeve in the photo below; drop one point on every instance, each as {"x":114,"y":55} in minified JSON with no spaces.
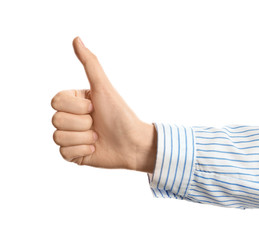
{"x":208,"y":165}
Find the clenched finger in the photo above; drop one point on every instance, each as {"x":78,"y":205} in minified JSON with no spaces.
{"x":72,"y":122}
{"x":72,"y":152}
{"x":71,"y":104}
{"x":69,"y":138}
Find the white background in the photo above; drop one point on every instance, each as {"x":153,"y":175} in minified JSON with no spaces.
{"x":182,"y":62}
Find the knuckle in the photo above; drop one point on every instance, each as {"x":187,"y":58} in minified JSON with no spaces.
{"x":57,"y":99}
{"x":63,"y":153}
{"x":57,"y":119}
{"x":93,"y":56}
{"x":61,"y":93}
{"x":55,"y":102}
{"x":57,"y":137}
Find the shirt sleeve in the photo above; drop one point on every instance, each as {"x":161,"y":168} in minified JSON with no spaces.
{"x":208,"y":165}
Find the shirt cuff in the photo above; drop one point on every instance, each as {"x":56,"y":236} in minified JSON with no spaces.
{"x":175,"y":160}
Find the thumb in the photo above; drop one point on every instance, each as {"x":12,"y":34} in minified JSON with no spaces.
{"x":94,"y":71}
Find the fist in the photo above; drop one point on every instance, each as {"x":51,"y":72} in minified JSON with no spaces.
{"x":96,"y":127}
{"x":73,"y":122}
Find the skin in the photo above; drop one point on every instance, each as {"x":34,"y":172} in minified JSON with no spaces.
{"x":123,"y":140}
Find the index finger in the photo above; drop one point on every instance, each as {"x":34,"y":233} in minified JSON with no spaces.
{"x":68,"y":101}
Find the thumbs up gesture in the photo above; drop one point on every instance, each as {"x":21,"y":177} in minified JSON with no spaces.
{"x":95,"y":127}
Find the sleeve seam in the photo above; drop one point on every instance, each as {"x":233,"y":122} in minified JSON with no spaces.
{"x":194,"y":165}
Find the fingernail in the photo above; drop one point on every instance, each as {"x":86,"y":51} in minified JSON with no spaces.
{"x":92,"y":148}
{"x":81,"y":42}
{"x":95,"y":136}
{"x":90,"y":108}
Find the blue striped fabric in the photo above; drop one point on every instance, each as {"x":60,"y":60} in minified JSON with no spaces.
{"x":218,"y":166}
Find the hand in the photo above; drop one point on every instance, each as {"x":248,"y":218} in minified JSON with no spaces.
{"x":124,"y":141}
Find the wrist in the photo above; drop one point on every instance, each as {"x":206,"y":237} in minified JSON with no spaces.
{"x":146,"y":148}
